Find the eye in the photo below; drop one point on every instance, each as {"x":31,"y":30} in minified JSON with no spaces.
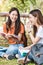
{"x":16,"y":15}
{"x":13,"y":14}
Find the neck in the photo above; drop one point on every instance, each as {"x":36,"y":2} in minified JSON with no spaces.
{"x":37,"y":25}
{"x":13,"y":23}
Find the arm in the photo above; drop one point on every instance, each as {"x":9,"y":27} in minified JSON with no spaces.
{"x":4,"y":28}
{"x":5,"y":31}
{"x":5,"y":34}
{"x":38,"y":54}
{"x":34,"y":39}
{"x":19,"y":36}
{"x":21,"y":32}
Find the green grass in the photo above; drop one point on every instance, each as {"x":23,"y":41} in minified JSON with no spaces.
{"x":10,"y":62}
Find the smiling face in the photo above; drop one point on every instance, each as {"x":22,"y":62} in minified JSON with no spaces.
{"x":13,"y":16}
{"x":32,"y":19}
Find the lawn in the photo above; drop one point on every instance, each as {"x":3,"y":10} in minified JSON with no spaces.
{"x":10,"y":62}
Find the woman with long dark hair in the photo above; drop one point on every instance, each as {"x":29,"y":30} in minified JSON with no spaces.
{"x":36,"y":20}
{"x":13,"y":26}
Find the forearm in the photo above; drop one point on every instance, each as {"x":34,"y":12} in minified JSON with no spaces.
{"x":19,"y":37}
{"x":26,"y":48}
{"x":32,"y":44}
{"x":32,"y":37}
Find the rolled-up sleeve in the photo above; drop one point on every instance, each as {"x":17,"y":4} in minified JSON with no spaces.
{"x":40,"y":32}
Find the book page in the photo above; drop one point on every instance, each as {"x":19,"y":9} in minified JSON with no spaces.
{"x":9,"y":35}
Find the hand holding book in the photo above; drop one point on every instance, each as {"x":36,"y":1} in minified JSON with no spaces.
{"x":15,"y":37}
{"x":3,"y":34}
{"x":9,"y":35}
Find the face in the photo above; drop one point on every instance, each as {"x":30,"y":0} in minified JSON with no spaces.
{"x":13,"y":16}
{"x":32,"y":19}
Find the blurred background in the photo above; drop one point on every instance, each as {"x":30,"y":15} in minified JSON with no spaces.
{"x":24,"y":6}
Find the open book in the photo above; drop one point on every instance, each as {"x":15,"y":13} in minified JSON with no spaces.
{"x":10,"y":35}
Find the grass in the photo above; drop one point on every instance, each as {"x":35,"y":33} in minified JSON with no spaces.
{"x":10,"y":62}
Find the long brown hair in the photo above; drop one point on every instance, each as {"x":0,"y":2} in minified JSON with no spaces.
{"x":17,"y":23}
{"x":37,"y":13}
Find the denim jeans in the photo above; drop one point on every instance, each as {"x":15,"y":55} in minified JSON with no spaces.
{"x":11,"y":50}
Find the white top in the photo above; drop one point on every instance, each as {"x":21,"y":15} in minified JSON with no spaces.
{"x":40,"y":34}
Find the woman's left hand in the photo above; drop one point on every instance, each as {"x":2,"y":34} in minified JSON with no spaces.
{"x":28,"y":48}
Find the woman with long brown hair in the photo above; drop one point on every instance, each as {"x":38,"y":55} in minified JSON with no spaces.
{"x":36,"y":20}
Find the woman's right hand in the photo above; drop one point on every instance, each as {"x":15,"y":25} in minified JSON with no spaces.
{"x":28,"y":26}
{"x":7,"y":36}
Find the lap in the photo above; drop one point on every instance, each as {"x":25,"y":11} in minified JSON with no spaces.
{"x":13,"y":48}
{"x":37,"y":49}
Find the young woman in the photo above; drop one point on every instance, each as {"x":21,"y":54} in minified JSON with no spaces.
{"x":36,"y":20}
{"x":15,"y":27}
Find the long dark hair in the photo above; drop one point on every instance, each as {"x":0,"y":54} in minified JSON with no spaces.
{"x":37,"y":13}
{"x":17,"y":23}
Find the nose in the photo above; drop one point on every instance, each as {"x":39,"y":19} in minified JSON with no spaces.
{"x":14,"y":16}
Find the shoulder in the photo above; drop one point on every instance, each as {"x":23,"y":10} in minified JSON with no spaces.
{"x":40,"y":32}
{"x":22,"y":28}
{"x":40,"y":29}
{"x":4,"y":24}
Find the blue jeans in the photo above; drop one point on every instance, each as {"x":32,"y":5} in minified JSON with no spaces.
{"x":11,"y":50}
{"x":30,"y":56}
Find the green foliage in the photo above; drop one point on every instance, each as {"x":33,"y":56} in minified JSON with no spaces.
{"x":33,"y":2}
{"x":22,"y":5}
